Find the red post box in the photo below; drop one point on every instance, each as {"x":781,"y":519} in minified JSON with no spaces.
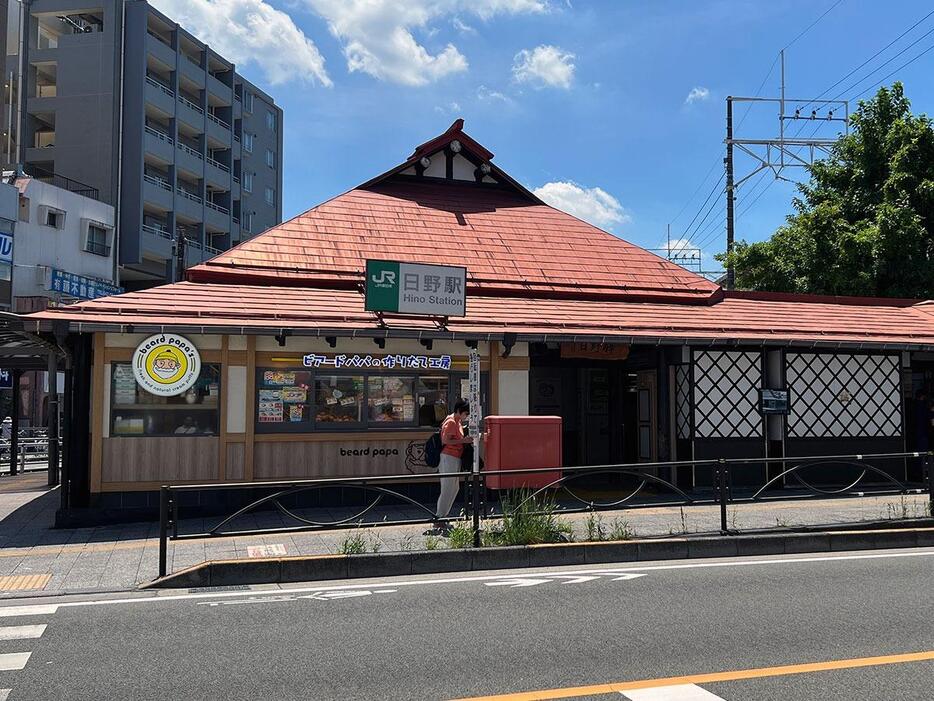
{"x":522,"y":443}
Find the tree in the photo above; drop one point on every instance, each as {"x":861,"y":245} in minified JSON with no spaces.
{"x":864,"y":224}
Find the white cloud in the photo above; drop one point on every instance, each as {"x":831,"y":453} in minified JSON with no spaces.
{"x":251,"y":31}
{"x":487,"y":95}
{"x":592,"y":204}
{"x":698,"y":94}
{"x":377,"y":35}
{"x":450,"y":108}
{"x":544,"y":65}
{"x":462,"y":26}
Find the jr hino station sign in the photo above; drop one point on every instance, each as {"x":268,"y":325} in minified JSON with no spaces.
{"x":413,"y":288}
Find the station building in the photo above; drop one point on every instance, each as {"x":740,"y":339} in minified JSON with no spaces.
{"x":644,"y":361}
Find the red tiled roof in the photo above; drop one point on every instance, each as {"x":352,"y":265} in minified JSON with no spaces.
{"x":509,"y":244}
{"x":207,"y":306}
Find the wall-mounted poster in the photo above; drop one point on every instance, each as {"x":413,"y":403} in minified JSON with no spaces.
{"x":296,"y":413}
{"x":294,"y":394}
{"x":278,"y":377}
{"x":270,"y":412}
{"x":270,"y":395}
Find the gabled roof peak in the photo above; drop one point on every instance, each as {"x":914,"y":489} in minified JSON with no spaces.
{"x":455,"y":132}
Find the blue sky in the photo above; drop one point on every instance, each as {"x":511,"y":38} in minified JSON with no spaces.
{"x":615,"y":107}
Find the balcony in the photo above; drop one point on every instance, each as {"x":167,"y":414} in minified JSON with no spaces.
{"x":189,"y":160}
{"x":189,"y":204}
{"x":158,"y":192}
{"x":44,"y":139}
{"x":156,"y":242}
{"x":160,"y":145}
{"x":219,"y":130}
{"x":157,"y":231}
{"x":216,"y":216}
{"x":217,"y":88}
{"x":160,"y":50}
{"x":160,"y":95}
{"x":190,"y":113}
{"x":217,"y":174}
{"x":191,"y":69}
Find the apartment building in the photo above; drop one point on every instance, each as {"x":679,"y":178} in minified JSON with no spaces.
{"x":123,"y":99}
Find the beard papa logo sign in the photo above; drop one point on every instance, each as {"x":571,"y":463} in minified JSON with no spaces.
{"x":166,"y":364}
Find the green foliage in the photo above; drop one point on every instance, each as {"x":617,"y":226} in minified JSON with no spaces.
{"x":864,"y":224}
{"x":619,"y":530}
{"x":527,"y":521}
{"x":432,"y":542}
{"x":461,"y":534}
{"x":353,"y":544}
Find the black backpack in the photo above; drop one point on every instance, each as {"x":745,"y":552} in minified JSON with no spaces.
{"x":433,"y":448}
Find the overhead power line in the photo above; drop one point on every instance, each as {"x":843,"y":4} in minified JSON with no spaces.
{"x":901,"y":67}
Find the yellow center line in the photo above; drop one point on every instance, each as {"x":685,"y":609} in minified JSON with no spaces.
{"x":758,"y":673}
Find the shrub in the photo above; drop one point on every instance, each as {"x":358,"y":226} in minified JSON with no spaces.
{"x":527,"y":521}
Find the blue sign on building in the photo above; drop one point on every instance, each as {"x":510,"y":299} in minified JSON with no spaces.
{"x":6,"y":379}
{"x":6,"y":248}
{"x":80,"y":286}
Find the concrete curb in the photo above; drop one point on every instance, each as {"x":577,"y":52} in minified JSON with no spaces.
{"x":215,"y":573}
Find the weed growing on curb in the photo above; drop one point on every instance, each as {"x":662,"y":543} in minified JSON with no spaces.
{"x":684,"y":523}
{"x":621,"y":530}
{"x":432,"y":542}
{"x":528,"y":521}
{"x":595,"y":529}
{"x":407,"y":543}
{"x":461,"y":534}
{"x":353,"y":544}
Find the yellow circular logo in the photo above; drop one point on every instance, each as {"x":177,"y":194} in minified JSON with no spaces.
{"x":166,"y":364}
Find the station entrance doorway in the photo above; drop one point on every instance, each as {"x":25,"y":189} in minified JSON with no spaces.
{"x":606,"y":396}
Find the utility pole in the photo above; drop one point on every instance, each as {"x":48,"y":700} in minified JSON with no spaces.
{"x":178,"y":252}
{"x":730,"y":272}
{"x":776,"y":154}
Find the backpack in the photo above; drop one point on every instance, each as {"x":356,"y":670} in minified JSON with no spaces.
{"x":433,"y":448}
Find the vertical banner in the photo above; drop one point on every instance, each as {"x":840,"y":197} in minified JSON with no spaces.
{"x":473,"y":379}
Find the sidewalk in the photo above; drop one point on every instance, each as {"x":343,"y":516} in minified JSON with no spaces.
{"x":36,"y":558}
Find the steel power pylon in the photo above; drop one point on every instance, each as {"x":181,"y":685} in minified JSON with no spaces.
{"x":781,"y":153}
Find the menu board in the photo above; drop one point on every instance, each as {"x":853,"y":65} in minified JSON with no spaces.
{"x":124,"y":384}
{"x":279,"y":377}
{"x":270,"y":412}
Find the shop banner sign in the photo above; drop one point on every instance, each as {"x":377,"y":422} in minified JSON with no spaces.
{"x":166,"y":364}
{"x":414,"y":288}
{"x":6,"y":379}
{"x":388,"y":362}
{"x":6,"y":248}
{"x":80,"y":286}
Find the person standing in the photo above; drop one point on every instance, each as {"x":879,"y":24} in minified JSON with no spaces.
{"x":453,"y":442}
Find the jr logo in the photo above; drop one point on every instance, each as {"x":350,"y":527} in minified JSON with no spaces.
{"x":386,"y":277}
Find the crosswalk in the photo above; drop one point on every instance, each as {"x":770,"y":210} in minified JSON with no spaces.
{"x":13,"y":657}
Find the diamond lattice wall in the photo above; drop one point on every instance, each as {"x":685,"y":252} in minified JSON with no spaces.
{"x":683,"y":400}
{"x":836,"y":395}
{"x":726,"y":394}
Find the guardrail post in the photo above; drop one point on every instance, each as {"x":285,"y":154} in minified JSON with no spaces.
{"x":475,"y":506}
{"x":929,"y":460}
{"x":163,"y":529}
{"x":722,"y":493}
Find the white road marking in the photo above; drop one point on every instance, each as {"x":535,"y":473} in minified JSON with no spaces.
{"x":676,"y":692}
{"x":518,"y":582}
{"x":624,"y":572}
{"x":5,"y":694}
{"x":21,"y":632}
{"x":13,"y":660}
{"x":39,"y":610}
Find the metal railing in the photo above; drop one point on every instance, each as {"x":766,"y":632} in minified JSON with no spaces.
{"x":189,"y":195}
{"x":649,"y":491}
{"x":216,"y":207}
{"x":189,"y":103}
{"x":32,"y":453}
{"x":156,"y":84}
{"x":189,"y":150}
{"x":159,"y":38}
{"x":157,"y":231}
{"x":152,"y":179}
{"x":218,"y":165}
{"x":219,"y":122}
{"x":47,"y":176}
{"x":160,"y":135}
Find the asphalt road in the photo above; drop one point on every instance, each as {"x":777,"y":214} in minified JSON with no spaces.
{"x":452,"y":637}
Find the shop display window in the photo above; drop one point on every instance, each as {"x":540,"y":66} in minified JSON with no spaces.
{"x":283,"y":400}
{"x":338,"y":400}
{"x":302,"y":401}
{"x":136,"y":412}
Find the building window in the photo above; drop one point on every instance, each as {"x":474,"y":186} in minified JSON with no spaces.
{"x":292,"y":400}
{"x":248,"y":182}
{"x":246,"y":222}
{"x":247,"y":101}
{"x":247,"y":142}
{"x":270,"y":196}
{"x":270,"y":120}
{"x":97,"y":240}
{"x":135,"y":412}
{"x":270,"y":158}
{"x":49,"y":216}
